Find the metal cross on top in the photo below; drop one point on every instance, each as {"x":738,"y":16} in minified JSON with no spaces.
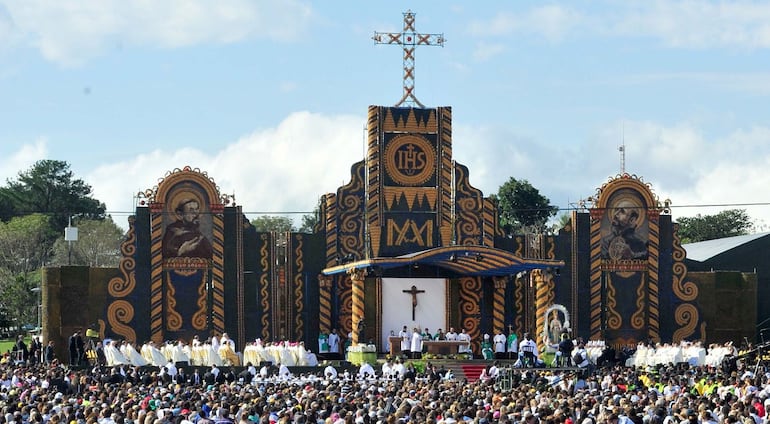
{"x":408,"y":38}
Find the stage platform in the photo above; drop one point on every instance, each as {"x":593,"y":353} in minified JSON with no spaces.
{"x":469,"y":369}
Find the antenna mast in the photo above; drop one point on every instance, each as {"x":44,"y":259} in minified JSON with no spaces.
{"x":622,"y":150}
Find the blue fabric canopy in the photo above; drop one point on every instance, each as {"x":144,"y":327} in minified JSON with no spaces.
{"x":462,"y":260}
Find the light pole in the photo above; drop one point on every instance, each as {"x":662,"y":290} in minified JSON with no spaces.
{"x":70,"y":235}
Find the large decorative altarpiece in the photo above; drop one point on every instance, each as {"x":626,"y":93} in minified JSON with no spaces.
{"x":194,"y":265}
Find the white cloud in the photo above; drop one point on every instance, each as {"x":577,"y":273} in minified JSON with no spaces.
{"x":7,"y":30}
{"x":734,"y":178}
{"x":697,"y":24}
{"x":282,"y":169}
{"x":485,"y":51}
{"x":552,"y":22}
{"x":752,"y":83}
{"x":69,"y":33}
{"x":679,"y":24}
{"x":287,"y":168}
{"x":22,"y":159}
{"x":289,"y":86}
{"x":678,"y":161}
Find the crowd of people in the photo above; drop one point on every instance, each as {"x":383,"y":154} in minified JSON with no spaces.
{"x":37,"y":391}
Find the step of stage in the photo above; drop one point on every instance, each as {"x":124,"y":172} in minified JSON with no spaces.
{"x":463,"y":370}
{"x":473,"y":371}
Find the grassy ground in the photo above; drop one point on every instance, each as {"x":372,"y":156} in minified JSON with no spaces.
{"x":7,"y":344}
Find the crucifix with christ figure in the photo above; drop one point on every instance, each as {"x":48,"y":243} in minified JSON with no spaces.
{"x":414,"y":292}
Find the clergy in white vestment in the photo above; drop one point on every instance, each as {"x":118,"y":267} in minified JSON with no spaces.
{"x":181,"y":353}
{"x":113,"y":355}
{"x":286,"y":356}
{"x":305,"y":358}
{"x":133,"y":357}
{"x":416,"y":344}
{"x":366,"y":371}
{"x":251,"y":369}
{"x":153,"y":354}
{"x":464,"y":337}
{"x":212,"y":356}
{"x":334,"y":343}
{"x":399,"y":370}
{"x":263,"y":354}
{"x":228,"y":355}
{"x":264,"y":371}
{"x":171,"y":370}
{"x":197,"y":354}
{"x":250,"y":354}
{"x":406,"y":339}
{"x":499,"y":341}
{"x":387,"y":370}
{"x":225,"y":339}
{"x":283,"y":372}
{"x":167,"y":349}
{"x":227,"y":351}
{"x":330,"y":373}
{"x":311,"y":360}
{"x":451,"y":335}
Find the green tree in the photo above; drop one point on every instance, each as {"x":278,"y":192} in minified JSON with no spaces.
{"x":98,"y":245}
{"x":563,"y":221}
{"x":728,"y":223}
{"x":277,"y":223}
{"x":310,"y":221}
{"x":24,"y":244}
{"x":49,"y":187}
{"x":24,"y":249}
{"x":18,"y":302}
{"x":519,"y":205}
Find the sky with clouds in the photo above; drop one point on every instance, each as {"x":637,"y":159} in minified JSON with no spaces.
{"x":270,"y":98}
